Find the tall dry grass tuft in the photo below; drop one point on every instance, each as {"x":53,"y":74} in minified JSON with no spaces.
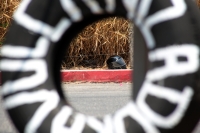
{"x":97,"y":42}
{"x":7,"y":7}
{"x":198,"y":3}
{"x":93,"y":46}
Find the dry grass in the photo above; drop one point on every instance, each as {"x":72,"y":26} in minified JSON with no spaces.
{"x":7,"y":7}
{"x":198,"y":3}
{"x":97,"y":42}
{"x":91,"y":47}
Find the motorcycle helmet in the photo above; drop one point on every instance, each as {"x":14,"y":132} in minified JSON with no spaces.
{"x":116,"y":62}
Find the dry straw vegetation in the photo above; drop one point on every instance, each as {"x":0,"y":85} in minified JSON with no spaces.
{"x":7,"y":7}
{"x":92,"y":47}
{"x":198,"y":3}
{"x":97,"y":42}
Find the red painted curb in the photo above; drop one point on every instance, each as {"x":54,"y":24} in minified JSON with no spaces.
{"x":95,"y":75}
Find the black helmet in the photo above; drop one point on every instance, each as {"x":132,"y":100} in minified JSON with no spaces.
{"x":116,"y":62}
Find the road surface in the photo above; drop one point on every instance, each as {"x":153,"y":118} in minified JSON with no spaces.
{"x":98,"y":99}
{"x":92,"y":99}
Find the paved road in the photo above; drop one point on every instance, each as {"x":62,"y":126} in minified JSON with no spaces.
{"x":91,"y":99}
{"x":98,"y":99}
{"x":5,"y":124}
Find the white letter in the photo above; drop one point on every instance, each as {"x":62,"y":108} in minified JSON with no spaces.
{"x":71,"y":9}
{"x":110,"y":5}
{"x":39,"y":51}
{"x":42,"y":112}
{"x":177,"y":10}
{"x":132,"y":110}
{"x":172,"y":66}
{"x":182,"y":99}
{"x":94,"y":6}
{"x":58,"y":123}
{"x":130,"y":6}
{"x":25,"y":83}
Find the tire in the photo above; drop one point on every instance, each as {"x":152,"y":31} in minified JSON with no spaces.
{"x":168,"y":100}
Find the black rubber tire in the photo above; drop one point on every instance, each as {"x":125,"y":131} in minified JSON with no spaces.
{"x":168,"y":100}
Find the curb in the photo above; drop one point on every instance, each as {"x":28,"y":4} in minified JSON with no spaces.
{"x":99,"y":76}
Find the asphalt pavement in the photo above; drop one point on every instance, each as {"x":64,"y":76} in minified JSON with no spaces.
{"x":95,"y":99}
{"x":5,"y":124}
{"x":98,"y":99}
